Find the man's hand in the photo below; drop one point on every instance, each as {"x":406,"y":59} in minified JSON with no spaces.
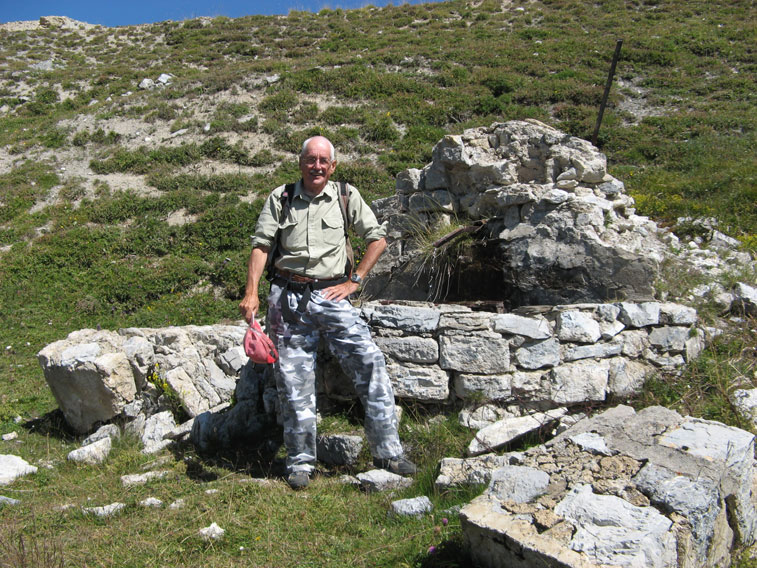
{"x":248,"y":307}
{"x":372,"y":253}
{"x":340,"y":291}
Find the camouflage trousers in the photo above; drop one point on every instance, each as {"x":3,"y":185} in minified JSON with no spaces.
{"x":349,"y":339}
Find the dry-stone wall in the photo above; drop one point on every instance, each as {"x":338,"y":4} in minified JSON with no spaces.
{"x":535,"y":357}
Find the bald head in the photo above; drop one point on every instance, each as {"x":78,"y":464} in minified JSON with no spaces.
{"x":317,"y":163}
{"x":319,"y":139}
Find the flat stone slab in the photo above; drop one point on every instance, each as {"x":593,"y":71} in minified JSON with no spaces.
{"x":378,"y":480}
{"x":105,"y":511}
{"x":142,"y":478}
{"x":92,"y":454}
{"x":622,"y":488}
{"x":416,"y":507}
{"x":505,"y":431}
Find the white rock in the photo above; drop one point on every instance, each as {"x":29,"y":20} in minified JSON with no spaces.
{"x":142,"y":478}
{"x":12,"y":467}
{"x":639,"y":315}
{"x":474,"y":353}
{"x":8,"y":501}
{"x":577,"y":326}
{"x":106,"y":431}
{"x":491,"y":387}
{"x":538,"y":354}
{"x":533,"y":327}
{"x":425,"y":383}
{"x":156,"y":427}
{"x":416,"y":507}
{"x":213,"y":532}
{"x":92,"y":454}
{"x":591,"y":442}
{"x":579,"y":381}
{"x":612,"y":531}
{"x":518,"y":484}
{"x":106,"y":511}
{"x":505,"y":431}
{"x":476,"y":470}
{"x":379,"y":480}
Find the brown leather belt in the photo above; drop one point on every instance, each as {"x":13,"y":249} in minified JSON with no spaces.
{"x":292,"y":277}
{"x":301,"y":285}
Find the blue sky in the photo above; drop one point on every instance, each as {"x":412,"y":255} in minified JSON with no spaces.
{"x":129,"y":12}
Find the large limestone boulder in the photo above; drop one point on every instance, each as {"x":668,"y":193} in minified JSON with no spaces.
{"x":90,"y":377}
{"x":97,"y":375}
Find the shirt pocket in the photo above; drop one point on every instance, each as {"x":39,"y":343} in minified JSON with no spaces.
{"x":332,"y":229}
{"x":288,"y":237}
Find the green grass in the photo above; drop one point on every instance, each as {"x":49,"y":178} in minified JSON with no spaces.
{"x":703,"y":389}
{"x":330,"y":524}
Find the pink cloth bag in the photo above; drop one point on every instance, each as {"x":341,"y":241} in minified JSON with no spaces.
{"x":258,"y":346}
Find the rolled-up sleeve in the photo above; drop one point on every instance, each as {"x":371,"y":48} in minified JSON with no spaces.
{"x":268,"y":221}
{"x":363,"y":218}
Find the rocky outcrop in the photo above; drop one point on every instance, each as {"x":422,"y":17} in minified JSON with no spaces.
{"x":98,"y":375}
{"x":558,"y":228}
{"x":651,"y":488}
{"x":247,"y":422}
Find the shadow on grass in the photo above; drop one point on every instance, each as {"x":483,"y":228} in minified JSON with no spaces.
{"x":52,"y":424}
{"x":256,"y":456}
{"x":451,"y":553}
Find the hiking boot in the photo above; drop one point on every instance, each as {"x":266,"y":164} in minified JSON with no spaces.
{"x":399,"y":465}
{"x":298,"y":480}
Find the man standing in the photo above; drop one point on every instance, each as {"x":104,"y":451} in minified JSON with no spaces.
{"x":308,"y":298}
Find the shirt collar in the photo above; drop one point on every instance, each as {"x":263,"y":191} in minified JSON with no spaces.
{"x":329,"y":192}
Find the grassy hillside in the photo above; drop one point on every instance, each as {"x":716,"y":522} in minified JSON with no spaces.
{"x":128,"y":207}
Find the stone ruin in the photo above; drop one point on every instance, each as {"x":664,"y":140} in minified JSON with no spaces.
{"x":551,"y":226}
{"x":557,"y":358}
{"x":549,"y":311}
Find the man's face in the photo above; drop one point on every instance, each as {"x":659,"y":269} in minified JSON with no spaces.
{"x":316,"y":165}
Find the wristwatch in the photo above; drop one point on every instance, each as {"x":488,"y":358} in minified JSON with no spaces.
{"x":356,"y":278}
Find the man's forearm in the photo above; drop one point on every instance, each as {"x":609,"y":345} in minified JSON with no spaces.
{"x":255,"y":267}
{"x":372,"y":253}
{"x":249,"y":305}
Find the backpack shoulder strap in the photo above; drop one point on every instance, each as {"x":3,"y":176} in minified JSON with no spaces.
{"x":286,"y":200}
{"x":344,"y":197}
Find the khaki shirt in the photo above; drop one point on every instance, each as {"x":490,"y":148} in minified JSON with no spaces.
{"x":312,"y":236}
